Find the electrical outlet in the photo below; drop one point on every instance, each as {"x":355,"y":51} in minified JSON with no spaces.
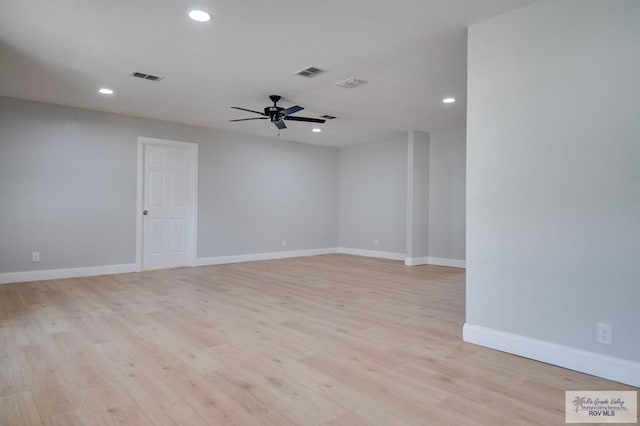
{"x":376,"y":242}
{"x":604,"y":333}
{"x":35,"y":256}
{"x":284,"y":243}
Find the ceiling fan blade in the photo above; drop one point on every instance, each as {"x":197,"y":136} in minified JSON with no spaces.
{"x":249,"y":110}
{"x":280,"y":124}
{"x":308,"y":119}
{"x":245,"y":119}
{"x":291,"y":110}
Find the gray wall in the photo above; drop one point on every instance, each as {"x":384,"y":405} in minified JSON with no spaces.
{"x":374,"y":188}
{"x":256,"y":192}
{"x":68,"y":188}
{"x":447,"y":172}
{"x":373,"y":196}
{"x":553,"y":173}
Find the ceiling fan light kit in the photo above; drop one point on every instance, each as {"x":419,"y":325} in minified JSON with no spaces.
{"x":277,"y":115}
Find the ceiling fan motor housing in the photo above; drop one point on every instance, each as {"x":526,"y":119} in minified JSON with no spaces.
{"x":273,"y":112}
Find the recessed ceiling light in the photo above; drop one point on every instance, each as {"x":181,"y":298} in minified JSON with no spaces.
{"x":200,"y":16}
{"x":105,"y":91}
{"x":316,"y":130}
{"x":449,"y":100}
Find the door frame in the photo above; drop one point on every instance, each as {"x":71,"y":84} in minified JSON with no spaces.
{"x":193,"y":148}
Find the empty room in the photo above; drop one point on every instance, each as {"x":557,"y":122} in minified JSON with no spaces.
{"x":422,"y":212}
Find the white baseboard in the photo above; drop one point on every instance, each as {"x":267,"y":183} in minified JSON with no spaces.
{"x":53,"y":274}
{"x":441,"y":261}
{"x":221,"y":260}
{"x":409,"y":261}
{"x":416,"y":261}
{"x":371,"y":253}
{"x":608,"y":367}
{"x":89,"y":271}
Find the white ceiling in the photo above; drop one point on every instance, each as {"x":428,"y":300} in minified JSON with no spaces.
{"x":412,"y":53}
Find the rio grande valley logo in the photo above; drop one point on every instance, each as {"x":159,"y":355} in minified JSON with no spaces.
{"x":601,"y":407}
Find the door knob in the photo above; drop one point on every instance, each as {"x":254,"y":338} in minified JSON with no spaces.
{"x":146,"y":212}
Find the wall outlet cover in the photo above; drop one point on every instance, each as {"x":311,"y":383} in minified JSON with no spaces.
{"x":604,"y":333}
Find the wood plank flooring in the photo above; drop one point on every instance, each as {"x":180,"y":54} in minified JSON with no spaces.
{"x":326,"y":340}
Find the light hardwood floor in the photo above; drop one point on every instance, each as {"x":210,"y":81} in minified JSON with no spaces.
{"x":326,"y":340}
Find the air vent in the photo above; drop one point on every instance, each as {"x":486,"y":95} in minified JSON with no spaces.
{"x":144,"y":76}
{"x":328,"y":117}
{"x":310,"y":72}
{"x":350,"y":82}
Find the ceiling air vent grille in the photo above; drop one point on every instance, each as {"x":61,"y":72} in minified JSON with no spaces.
{"x":310,"y":72}
{"x":328,"y":117}
{"x":350,"y":82}
{"x":144,"y":76}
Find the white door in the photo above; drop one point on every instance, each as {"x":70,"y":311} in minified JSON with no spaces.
{"x":168,"y":205}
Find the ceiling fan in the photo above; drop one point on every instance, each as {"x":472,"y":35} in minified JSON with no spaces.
{"x":278,"y":115}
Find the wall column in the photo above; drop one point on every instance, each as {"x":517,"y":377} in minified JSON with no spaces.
{"x":417,"y":198}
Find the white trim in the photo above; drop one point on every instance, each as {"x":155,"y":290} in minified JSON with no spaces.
{"x":221,"y":260}
{"x":605,"y":366}
{"x":372,"y":253}
{"x":53,"y":274}
{"x":142,"y":140}
{"x":139,"y":202}
{"x":442,"y":261}
{"x":416,"y":261}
